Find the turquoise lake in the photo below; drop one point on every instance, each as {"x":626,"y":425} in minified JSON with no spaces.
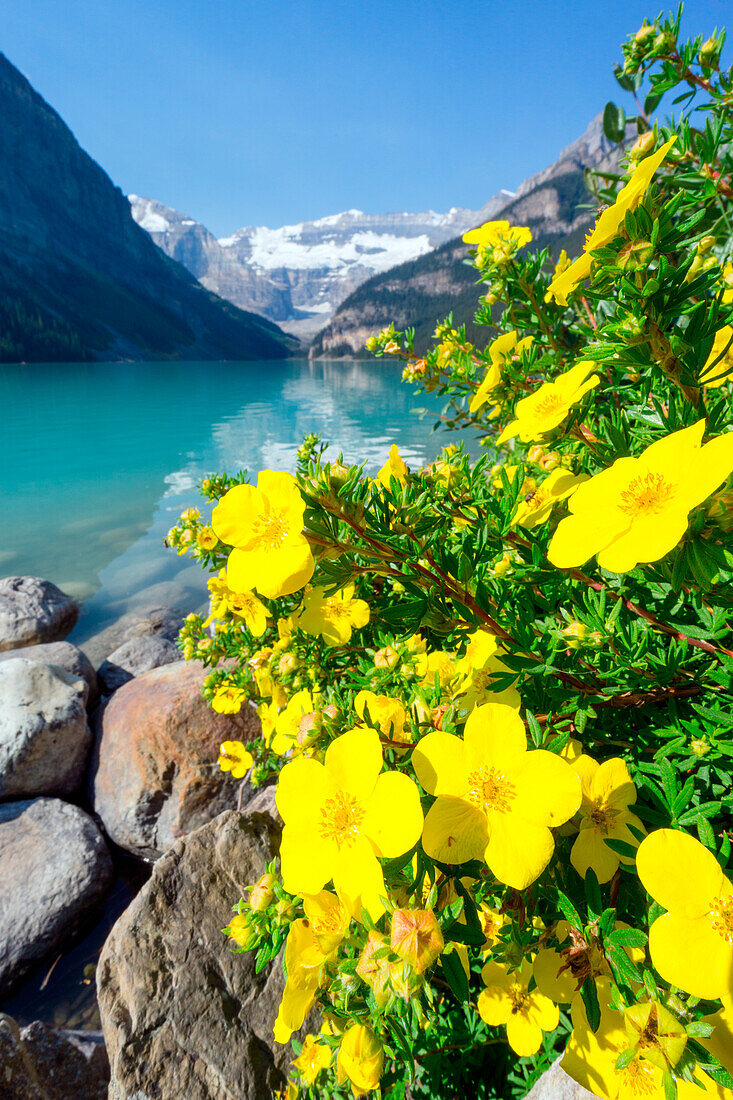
{"x":99,"y":459}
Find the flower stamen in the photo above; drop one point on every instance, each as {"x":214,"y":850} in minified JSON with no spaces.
{"x":646,"y":495}
{"x":490,"y":790}
{"x":342,"y":816}
{"x":721,"y":910}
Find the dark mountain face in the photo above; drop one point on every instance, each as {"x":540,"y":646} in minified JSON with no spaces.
{"x":79,"y":279}
{"x":554,"y":203}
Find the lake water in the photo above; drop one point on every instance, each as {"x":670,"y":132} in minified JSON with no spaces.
{"x":99,"y":459}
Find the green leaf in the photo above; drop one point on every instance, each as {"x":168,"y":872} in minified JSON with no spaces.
{"x":569,"y":911}
{"x":589,"y":994}
{"x":670,"y":1086}
{"x":455,"y":975}
{"x":625,"y":1058}
{"x":614,"y":124}
{"x":627,"y":937}
{"x":593,"y":894}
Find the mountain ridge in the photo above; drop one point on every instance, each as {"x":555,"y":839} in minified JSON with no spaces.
{"x":78,"y":278}
{"x":423,"y":291}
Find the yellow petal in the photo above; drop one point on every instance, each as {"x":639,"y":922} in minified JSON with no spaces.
{"x":691,"y":954}
{"x":543,"y":1011}
{"x":358,"y":879}
{"x":232,"y":517}
{"x":494,"y":1007}
{"x":518,"y":851}
{"x":678,"y":872}
{"x":646,"y":540}
{"x":590,"y":850}
{"x":302,"y":787}
{"x":548,"y":790}
{"x":353,"y":762}
{"x":494,"y":735}
{"x":710,"y":468}
{"x":579,"y":537}
{"x":440,"y":764}
{"x":394,"y":818}
{"x":560,"y":987}
{"x":613,"y":784}
{"x":307,"y":860}
{"x":524,"y":1035}
{"x":454,"y":831}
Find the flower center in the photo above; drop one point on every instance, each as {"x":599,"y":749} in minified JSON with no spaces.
{"x":549,"y":405}
{"x":646,"y":495}
{"x":603,"y":818}
{"x":638,"y":1078}
{"x":721,"y":910}
{"x":519,"y":996}
{"x":342,"y":816}
{"x":335,"y":609}
{"x":270,"y":532}
{"x":490,"y":790}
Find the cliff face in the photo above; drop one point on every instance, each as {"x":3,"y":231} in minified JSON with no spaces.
{"x":298,"y":274}
{"x":78,"y":278}
{"x":424,"y":291}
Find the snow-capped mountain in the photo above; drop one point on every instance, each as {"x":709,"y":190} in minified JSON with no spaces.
{"x":299,"y":274}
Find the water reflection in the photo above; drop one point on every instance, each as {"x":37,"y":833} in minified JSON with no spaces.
{"x":100,"y":459}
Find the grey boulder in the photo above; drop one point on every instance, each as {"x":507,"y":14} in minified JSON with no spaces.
{"x":33,"y":610}
{"x":62,"y":655}
{"x":55,"y":869}
{"x":555,"y":1084}
{"x":38,"y":1063}
{"x":151,"y":621}
{"x":182,"y":1015}
{"x":44,"y":736}
{"x":133,"y":657}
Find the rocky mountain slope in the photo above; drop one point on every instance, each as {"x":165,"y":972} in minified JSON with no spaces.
{"x":297,"y":275}
{"x":554,"y":203}
{"x":79,"y":279}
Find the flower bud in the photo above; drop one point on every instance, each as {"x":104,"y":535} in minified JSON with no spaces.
{"x":710,"y":50}
{"x":260,"y":895}
{"x":288,"y":663}
{"x":360,"y":1058}
{"x":575,"y":634}
{"x":372,"y":343}
{"x":643,"y":145}
{"x":699,"y":746}
{"x":387,"y":657}
{"x":550,"y":461}
{"x":536,"y":453}
{"x":416,"y":937}
{"x":241,"y":931}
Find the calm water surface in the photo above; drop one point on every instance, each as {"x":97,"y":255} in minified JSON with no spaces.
{"x":99,"y":459}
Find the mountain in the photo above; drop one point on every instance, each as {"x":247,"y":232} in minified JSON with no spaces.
{"x":554,"y":203}
{"x":79,"y":279}
{"x":298,"y":275}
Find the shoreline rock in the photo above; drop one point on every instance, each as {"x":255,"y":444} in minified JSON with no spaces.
{"x":154,"y":772}
{"x":63,"y":655}
{"x":183,"y":1015}
{"x":55,"y":868}
{"x":33,"y":611}
{"x":44,"y":736}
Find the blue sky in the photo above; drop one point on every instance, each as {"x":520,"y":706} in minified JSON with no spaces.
{"x":241,"y":112}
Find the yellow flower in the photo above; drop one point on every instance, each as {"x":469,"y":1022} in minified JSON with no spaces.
{"x":561,"y":970}
{"x":636,"y":510}
{"x":310,"y":943}
{"x":607,"y":794}
{"x":333,"y":617}
{"x":245,"y":605}
{"x":478,"y":669}
{"x":360,"y":1059}
{"x":387,"y":714}
{"x":590,"y":1058}
{"x":264,"y":524}
{"x":537,"y":505}
{"x":720,"y":1044}
{"x":393,"y":467}
{"x":341,"y":817}
{"x":504,"y":347}
{"x":235,"y":758}
{"x":287,"y":723}
{"x":720,"y":359}
{"x":607,"y":226}
{"x":314,"y":1056}
{"x":547,"y":407}
{"x":206,"y":539}
{"x":656,"y":1034}
{"x":416,"y":937}
{"x":495,"y":801}
{"x":267,"y":713}
{"x":497,"y":241}
{"x":492,"y":921}
{"x":442,"y":664}
{"x":228,"y":698}
{"x":507,"y":1000}
{"x":692,"y":944}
